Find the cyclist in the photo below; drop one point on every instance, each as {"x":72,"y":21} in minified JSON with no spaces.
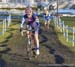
{"x":32,"y":22}
{"x":46,"y":17}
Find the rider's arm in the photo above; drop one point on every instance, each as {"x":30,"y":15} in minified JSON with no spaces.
{"x":22,"y":22}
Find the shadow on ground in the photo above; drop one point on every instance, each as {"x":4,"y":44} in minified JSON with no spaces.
{"x":2,"y":62}
{"x":55,"y":47}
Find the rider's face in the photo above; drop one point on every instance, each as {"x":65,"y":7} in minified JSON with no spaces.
{"x":29,"y":13}
{"x":46,"y":11}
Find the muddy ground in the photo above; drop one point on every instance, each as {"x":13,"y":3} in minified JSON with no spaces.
{"x":52,"y":52}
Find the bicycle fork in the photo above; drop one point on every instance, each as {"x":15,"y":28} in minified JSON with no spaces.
{"x":29,"y":44}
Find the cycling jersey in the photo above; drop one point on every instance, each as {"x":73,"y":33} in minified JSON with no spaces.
{"x":32,"y":22}
{"x":46,"y":17}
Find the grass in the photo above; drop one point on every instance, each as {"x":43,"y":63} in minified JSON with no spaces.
{"x":17,"y":8}
{"x":70,"y":21}
{"x":64,"y":42}
{"x":4,"y":37}
{"x":10,"y":30}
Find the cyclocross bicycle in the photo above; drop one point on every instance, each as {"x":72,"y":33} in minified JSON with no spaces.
{"x":29,"y":43}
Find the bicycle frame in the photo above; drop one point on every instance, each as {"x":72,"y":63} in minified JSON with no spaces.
{"x":31,"y":36}
{"x":30,"y":42}
{"x":31,"y":39}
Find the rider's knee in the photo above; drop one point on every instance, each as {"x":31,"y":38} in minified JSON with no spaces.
{"x":36,"y":36}
{"x":27,"y":32}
